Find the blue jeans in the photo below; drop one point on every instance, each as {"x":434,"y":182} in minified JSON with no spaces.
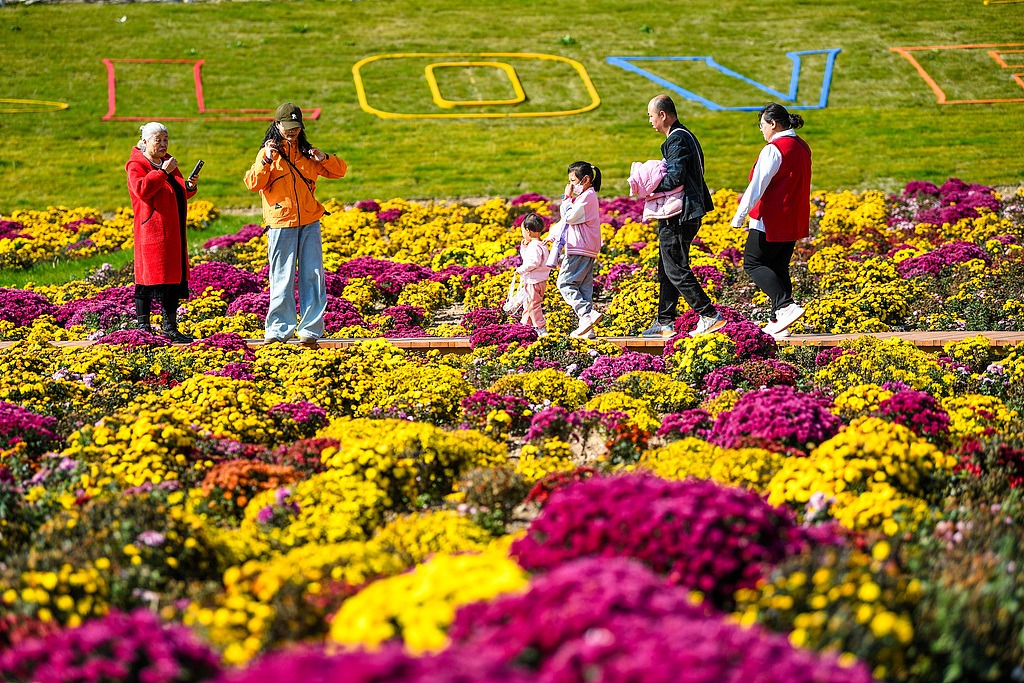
{"x":576,"y":282}
{"x":291,"y":248}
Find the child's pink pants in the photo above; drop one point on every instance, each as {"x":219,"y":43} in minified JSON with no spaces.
{"x":532,"y":313}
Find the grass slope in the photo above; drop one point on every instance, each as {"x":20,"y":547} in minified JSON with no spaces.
{"x":882,"y":126}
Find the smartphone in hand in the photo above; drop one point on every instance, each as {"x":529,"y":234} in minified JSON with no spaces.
{"x":195,"y":171}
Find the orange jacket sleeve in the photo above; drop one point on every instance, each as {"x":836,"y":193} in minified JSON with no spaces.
{"x":258,"y":174}
{"x":332,"y":167}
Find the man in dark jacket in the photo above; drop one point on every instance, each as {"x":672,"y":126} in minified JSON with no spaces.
{"x":684,"y":160}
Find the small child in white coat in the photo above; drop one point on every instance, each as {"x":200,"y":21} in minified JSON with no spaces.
{"x":535,"y":272}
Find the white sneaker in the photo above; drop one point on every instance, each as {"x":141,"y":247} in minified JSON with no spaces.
{"x":587,"y":323}
{"x":784,"y":317}
{"x":782,"y":334}
{"x":767,"y":327}
{"x":707,"y":325}
{"x":541,"y":331}
{"x":590,"y":334}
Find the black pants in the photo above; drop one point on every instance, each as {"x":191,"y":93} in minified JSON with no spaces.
{"x":674,"y":274}
{"x":767,"y":264}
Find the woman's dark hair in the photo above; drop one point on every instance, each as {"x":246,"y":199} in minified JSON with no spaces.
{"x":533,"y":223}
{"x":582,"y":169}
{"x":780,"y":115}
{"x":274,"y":135}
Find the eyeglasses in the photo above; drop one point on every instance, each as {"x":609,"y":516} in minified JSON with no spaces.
{"x":761,"y":124}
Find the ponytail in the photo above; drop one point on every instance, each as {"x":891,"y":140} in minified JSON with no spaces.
{"x":776,"y":113}
{"x":583,"y":169}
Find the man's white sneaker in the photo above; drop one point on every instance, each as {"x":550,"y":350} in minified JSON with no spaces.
{"x":707,"y":325}
{"x":587,"y":323}
{"x":541,"y":331}
{"x":784,"y":317}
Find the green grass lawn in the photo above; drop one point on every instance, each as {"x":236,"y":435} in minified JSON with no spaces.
{"x":882,"y":126}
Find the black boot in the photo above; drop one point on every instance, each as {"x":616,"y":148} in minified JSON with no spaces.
{"x":169,"y":326}
{"x":143,"y":308}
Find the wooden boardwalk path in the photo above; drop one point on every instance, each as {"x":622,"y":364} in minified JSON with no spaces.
{"x":928,"y":341}
{"x":932,"y":341}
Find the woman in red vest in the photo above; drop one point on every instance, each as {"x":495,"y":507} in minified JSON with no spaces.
{"x":778,"y":201}
{"x":159,"y":193}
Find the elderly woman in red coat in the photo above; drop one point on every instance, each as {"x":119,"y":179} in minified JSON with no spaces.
{"x":159,"y":193}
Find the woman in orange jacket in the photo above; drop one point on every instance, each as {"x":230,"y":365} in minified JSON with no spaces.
{"x":285,"y":173}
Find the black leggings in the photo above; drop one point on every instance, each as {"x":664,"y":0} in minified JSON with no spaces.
{"x":170,"y":296}
{"x":767,"y":264}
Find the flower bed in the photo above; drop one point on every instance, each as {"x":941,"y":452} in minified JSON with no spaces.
{"x":62,"y":233}
{"x":548,"y":509}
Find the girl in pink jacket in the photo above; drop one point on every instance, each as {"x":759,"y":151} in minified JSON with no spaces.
{"x":535,"y":272}
{"x":581,"y":220}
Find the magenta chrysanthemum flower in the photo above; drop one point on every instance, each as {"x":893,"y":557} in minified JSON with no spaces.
{"x":391,"y":277}
{"x":302,"y":411}
{"x":616,"y":212}
{"x":502,"y":335}
{"x":21,"y":306}
{"x":529,"y":197}
{"x":117,"y":647}
{"x":239,"y":371}
{"x":941,"y":260}
{"x":389,"y":215}
{"x":696,"y":533}
{"x":695,"y":422}
{"x":754,"y":374}
{"x":19,"y":424}
{"x":134,"y":338}
{"x":612,"y":620}
{"x":478,"y":405}
{"x":368,"y":205}
{"x":606,"y":369}
{"x":916,"y":410}
{"x":107,"y":308}
{"x":246,"y":233}
{"x":233,"y":281}
{"x":616,"y":274}
{"x":776,"y":417}
{"x":390,"y":664}
{"x":482,"y":317}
